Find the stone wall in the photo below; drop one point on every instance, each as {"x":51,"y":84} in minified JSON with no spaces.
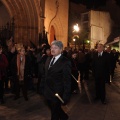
{"x":56,"y":14}
{"x":25,"y":13}
{"x":100,"y":23}
{"x":29,"y":22}
{"x":4,"y":15}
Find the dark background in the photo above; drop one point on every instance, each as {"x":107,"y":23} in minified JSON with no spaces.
{"x":111,"y":6}
{"x":94,"y":3}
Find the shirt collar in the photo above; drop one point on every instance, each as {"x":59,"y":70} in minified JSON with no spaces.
{"x":56,"y":57}
{"x":100,"y":53}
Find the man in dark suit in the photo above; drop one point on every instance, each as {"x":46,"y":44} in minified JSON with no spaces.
{"x":112,"y":63}
{"x":100,"y":67}
{"x":57,"y":79}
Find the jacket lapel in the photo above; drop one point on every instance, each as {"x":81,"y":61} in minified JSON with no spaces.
{"x":47,"y":64}
{"x":59,"y":59}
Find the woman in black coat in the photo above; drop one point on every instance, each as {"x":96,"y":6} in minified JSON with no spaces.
{"x":21,"y":71}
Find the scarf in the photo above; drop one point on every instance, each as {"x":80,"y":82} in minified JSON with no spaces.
{"x":20,"y":67}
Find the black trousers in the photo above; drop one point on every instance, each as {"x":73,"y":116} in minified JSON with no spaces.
{"x":38,"y":85}
{"x":107,"y":77}
{"x":112,"y":71}
{"x":100,"y":88}
{"x":81,"y":69}
{"x":56,"y":111}
{"x":1,"y":89}
{"x":20,"y":85}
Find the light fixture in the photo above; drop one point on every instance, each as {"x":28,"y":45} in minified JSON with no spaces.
{"x":76,"y":28}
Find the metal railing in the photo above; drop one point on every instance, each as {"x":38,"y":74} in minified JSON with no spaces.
{"x":7,"y":31}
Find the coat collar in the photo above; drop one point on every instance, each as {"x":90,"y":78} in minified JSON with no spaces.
{"x":48,"y":62}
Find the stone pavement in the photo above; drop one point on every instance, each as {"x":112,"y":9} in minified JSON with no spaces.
{"x":82,"y":110}
{"x":79,"y":106}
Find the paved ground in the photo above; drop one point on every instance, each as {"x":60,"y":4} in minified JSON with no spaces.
{"x":79,"y":107}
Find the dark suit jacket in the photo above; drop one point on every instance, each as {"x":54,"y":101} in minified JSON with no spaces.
{"x":58,"y":79}
{"x":100,"y":65}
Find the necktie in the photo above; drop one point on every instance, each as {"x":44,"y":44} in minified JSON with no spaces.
{"x":51,"y":64}
{"x":99,"y":54}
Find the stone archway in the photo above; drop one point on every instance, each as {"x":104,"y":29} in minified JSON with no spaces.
{"x":52,"y":34}
{"x":25,"y":13}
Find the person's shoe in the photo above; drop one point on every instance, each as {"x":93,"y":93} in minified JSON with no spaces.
{"x":96,"y":99}
{"x":2,"y":101}
{"x":26,"y":98}
{"x":74,"y":92}
{"x":66,"y":117}
{"x":104,"y":103}
{"x":16,"y":97}
{"x":109,"y":83}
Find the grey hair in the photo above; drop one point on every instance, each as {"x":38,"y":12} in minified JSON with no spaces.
{"x":101,"y":45}
{"x":57,"y":43}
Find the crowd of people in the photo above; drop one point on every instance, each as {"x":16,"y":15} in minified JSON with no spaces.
{"x":54,"y":69}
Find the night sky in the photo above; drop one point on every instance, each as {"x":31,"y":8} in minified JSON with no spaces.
{"x":112,"y":6}
{"x":91,"y":3}
{"x":94,"y":3}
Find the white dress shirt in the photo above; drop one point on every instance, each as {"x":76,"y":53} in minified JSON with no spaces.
{"x":100,"y":53}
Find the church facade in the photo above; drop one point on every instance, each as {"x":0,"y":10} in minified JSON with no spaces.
{"x":30,"y":16}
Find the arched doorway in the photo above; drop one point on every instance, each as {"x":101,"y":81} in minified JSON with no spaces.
{"x":4,"y":15}
{"x":6,"y":25}
{"x":26,"y":16}
{"x":52,"y":34}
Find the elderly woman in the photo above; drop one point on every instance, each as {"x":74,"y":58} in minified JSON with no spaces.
{"x":3,"y":66}
{"x":21,"y":70}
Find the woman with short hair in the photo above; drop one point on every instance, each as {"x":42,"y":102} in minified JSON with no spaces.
{"x":21,"y":70}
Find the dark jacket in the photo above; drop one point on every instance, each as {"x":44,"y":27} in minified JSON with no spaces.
{"x":58,"y":79}
{"x":100,"y":65}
